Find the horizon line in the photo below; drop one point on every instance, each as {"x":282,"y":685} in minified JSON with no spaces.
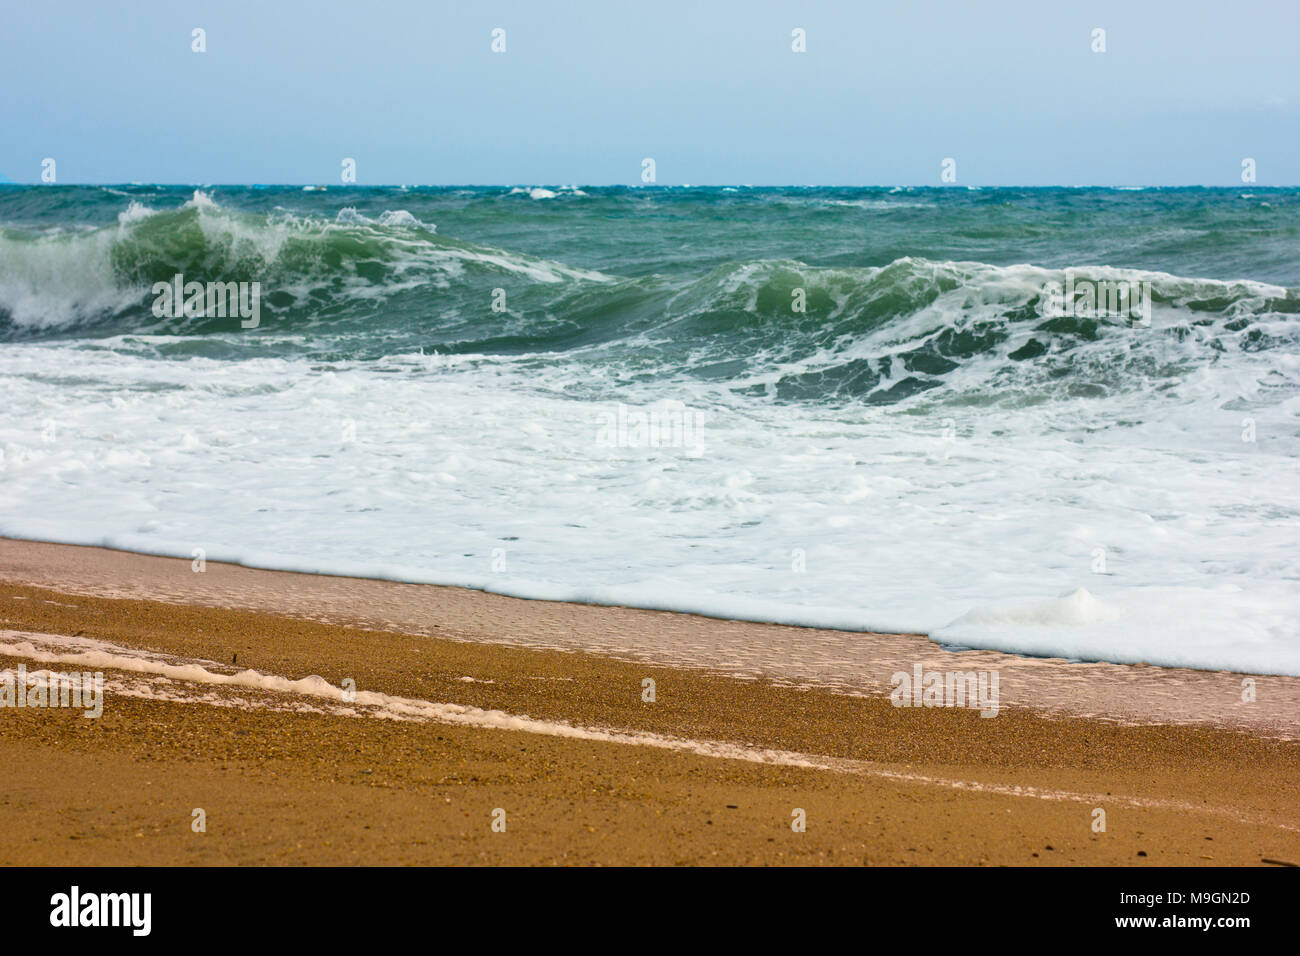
{"x":537,"y":185}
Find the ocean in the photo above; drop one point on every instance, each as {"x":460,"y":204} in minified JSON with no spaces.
{"x":1060,"y":422}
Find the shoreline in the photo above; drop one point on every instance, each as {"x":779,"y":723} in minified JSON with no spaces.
{"x":847,"y":662}
{"x":478,"y":703}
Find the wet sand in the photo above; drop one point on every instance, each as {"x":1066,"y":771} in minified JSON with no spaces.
{"x":711,"y":771}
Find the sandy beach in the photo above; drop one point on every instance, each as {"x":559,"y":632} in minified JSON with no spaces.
{"x":471,"y":708}
{"x":715,"y":435}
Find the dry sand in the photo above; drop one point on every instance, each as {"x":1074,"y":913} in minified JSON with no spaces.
{"x":1190,"y":776}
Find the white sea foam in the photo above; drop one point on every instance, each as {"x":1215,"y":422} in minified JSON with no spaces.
{"x":937,"y":523}
{"x":174,"y":680}
{"x":64,"y":278}
{"x":389,"y":217}
{"x":200,"y":200}
{"x":541,"y":192}
{"x":534,"y":192}
{"x":134,"y":212}
{"x":961,"y":522}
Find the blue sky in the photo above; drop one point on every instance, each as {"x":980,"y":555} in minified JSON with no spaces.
{"x":711,"y":90}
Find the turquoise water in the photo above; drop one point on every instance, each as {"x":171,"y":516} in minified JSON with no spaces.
{"x":851,"y":407}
